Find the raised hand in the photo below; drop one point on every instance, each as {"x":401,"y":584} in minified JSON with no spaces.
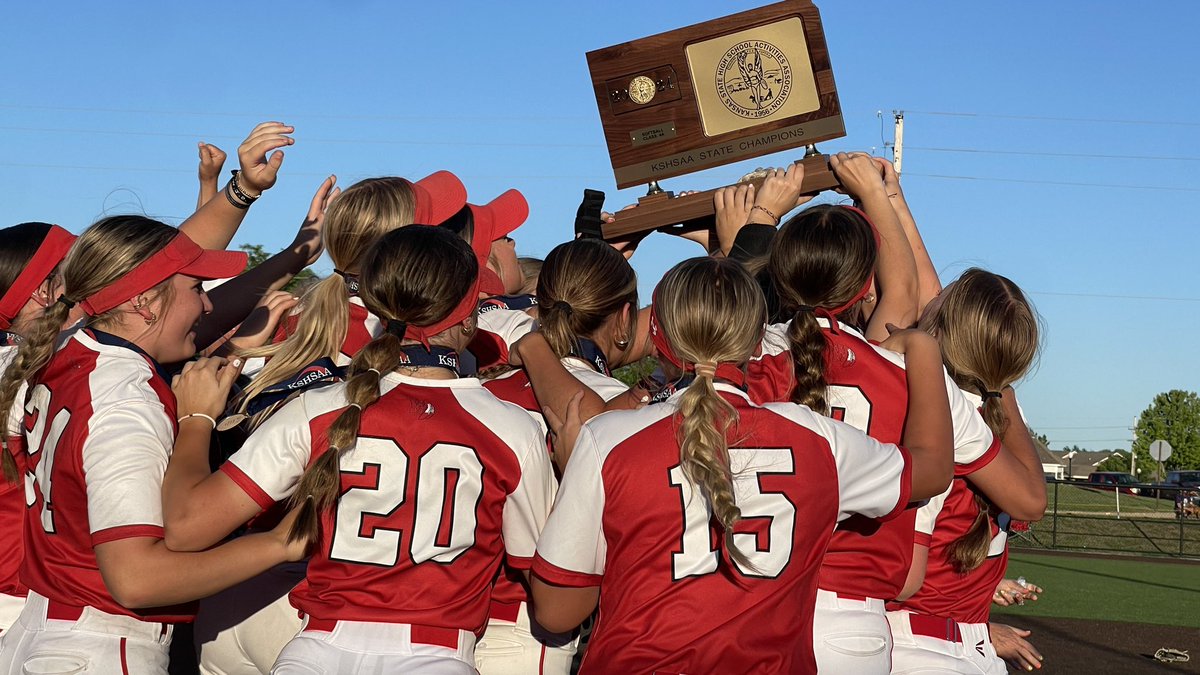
{"x":780,"y":193}
{"x":212,"y":159}
{"x":733,"y":205}
{"x":203,"y":386}
{"x":260,"y":325}
{"x":859,"y":174}
{"x":308,"y":241}
{"x":258,"y":171}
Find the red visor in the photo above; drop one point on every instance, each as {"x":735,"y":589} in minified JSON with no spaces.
{"x":181,"y":256}
{"x":492,"y":221}
{"x":466,"y":307}
{"x":439,"y":195}
{"x":49,"y":254}
{"x":727,"y":371}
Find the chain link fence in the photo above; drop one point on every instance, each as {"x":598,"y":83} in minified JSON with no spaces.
{"x":1082,"y":516}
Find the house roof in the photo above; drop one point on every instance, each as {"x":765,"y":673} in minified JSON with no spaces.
{"x":1044,"y":454}
{"x":1087,"y":458}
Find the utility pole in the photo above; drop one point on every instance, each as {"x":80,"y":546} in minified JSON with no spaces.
{"x":1132,"y":452}
{"x":898,"y":146}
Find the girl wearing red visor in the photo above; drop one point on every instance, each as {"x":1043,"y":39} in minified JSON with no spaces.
{"x":28,"y":284}
{"x":333,"y":324}
{"x":100,"y":423}
{"x":698,"y":524}
{"x":414,"y":481}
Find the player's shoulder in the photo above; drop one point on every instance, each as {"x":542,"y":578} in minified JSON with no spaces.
{"x":508,"y":323}
{"x":113,"y":375}
{"x":606,"y":387}
{"x":774,"y":341}
{"x":610,"y":429}
{"x":511,"y":423}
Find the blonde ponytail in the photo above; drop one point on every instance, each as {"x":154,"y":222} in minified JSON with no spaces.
{"x":711,"y":312}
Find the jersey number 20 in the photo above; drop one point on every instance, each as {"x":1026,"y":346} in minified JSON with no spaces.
{"x":448,"y":487}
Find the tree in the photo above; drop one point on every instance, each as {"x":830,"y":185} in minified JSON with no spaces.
{"x":257,"y":255}
{"x":1174,"y":417}
{"x":1118,"y":461}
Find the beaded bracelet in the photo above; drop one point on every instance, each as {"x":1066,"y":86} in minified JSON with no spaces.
{"x":767,"y":211}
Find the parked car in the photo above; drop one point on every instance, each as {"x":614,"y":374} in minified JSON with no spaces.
{"x":1123,"y":482}
{"x":1189,"y":479}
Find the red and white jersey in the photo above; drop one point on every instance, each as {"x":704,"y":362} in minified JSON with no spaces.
{"x":12,"y":495}
{"x":868,"y":389}
{"x":99,"y":430}
{"x":943,"y":520}
{"x":629,"y":521}
{"x":498,"y":330}
{"x":514,"y":387}
{"x":362,"y":327}
{"x":444,"y":480}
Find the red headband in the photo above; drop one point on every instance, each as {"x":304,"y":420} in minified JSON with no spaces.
{"x":466,"y":307}
{"x":49,"y":254}
{"x":180,"y":256}
{"x":726,"y":371}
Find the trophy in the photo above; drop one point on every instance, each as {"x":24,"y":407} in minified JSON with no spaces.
{"x":717,"y":92}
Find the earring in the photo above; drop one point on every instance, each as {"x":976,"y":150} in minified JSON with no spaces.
{"x":869,"y":298}
{"x":622,"y":344}
{"x":146,"y":314}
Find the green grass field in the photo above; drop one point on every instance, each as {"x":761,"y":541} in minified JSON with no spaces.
{"x":1082,"y":587}
{"x":1073,"y":498}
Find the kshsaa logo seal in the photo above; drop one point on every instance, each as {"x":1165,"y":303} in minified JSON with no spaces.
{"x":754,"y":79}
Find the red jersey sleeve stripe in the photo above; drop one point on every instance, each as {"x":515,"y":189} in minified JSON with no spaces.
{"x":986,"y":458}
{"x":126,"y":532}
{"x":922,"y":539}
{"x":518,"y":563}
{"x":905,"y":485}
{"x":560,"y":577}
{"x":251,"y":488}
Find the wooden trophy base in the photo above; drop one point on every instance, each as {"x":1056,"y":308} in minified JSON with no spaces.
{"x":696,"y":211}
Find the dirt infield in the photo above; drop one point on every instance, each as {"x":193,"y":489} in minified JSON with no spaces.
{"x":1106,"y":647}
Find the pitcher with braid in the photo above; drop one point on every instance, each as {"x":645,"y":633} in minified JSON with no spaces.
{"x":414,"y":482}
{"x":698,"y":524}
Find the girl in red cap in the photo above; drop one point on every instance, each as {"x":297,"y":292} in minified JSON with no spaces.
{"x":100,"y":423}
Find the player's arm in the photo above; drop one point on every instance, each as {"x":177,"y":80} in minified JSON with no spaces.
{"x":199,"y":507}
{"x":928,"y":432}
{"x":1014,"y":480}
{"x":560,"y":609}
{"x":928,"y":284}
{"x":927,"y":517}
{"x":213,"y":225}
{"x":142,"y":572}
{"x":895,"y":269}
{"x":571,"y":552}
{"x":234,"y":300}
{"x":212,"y":159}
{"x":554,"y":385}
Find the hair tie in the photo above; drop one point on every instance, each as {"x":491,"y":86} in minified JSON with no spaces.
{"x":991,"y":394}
{"x":351,"y":281}
{"x":395,"y":327}
{"x":707,"y":369}
{"x":62,"y":300}
{"x":563,"y":307}
{"x":376,"y":371}
{"x":805,"y":308}
{"x":356,"y":405}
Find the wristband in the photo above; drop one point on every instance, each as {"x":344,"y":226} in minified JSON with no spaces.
{"x":233,"y":200}
{"x":236,"y":186}
{"x":767,"y":211}
{"x":201,"y":415}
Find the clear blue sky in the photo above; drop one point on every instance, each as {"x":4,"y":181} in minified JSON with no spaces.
{"x":102,"y":104}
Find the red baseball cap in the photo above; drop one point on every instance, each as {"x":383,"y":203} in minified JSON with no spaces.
{"x":494,"y":220}
{"x":180,"y":256}
{"x":439,"y":195}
